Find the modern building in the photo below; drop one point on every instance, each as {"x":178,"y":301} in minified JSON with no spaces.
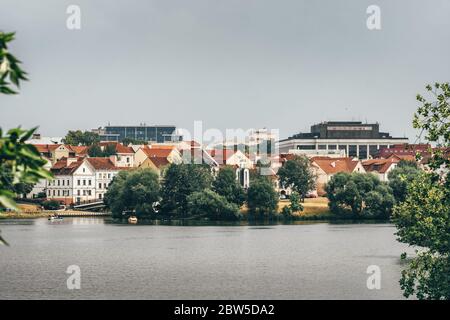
{"x":142,"y":132}
{"x":357,"y":139}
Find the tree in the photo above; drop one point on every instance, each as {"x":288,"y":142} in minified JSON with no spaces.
{"x":363,"y":194}
{"x":295,"y":205}
{"x":80,"y":138}
{"x":296,"y":174}
{"x":19,"y":162}
{"x":262,"y":199}
{"x":133,"y":191}
{"x":180,"y":181}
{"x":226,"y":185}
{"x":423,"y":218}
{"x":401,"y":176}
{"x":96,"y":151}
{"x":212,"y":205}
{"x":9,"y":66}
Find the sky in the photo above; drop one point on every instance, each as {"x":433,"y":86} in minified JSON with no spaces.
{"x":232,"y":64}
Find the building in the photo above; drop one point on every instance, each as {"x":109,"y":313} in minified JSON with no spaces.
{"x":381,"y":167}
{"x":324,"y":168}
{"x":81,"y":179}
{"x":157,"y":158}
{"x":55,"y":152}
{"x":142,"y":132}
{"x":231,"y":158}
{"x":123,"y":157}
{"x":404,"y":150}
{"x":357,"y":139}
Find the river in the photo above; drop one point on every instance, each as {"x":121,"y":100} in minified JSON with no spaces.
{"x":315,"y":260}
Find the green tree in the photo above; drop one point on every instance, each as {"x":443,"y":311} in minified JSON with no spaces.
{"x":296,"y":174}
{"x":226,"y":185}
{"x":423,"y":218}
{"x":361,"y":194}
{"x":10,"y":72}
{"x":401,"y":176}
{"x":180,"y":181}
{"x":295,"y":204}
{"x":133,"y":191}
{"x":20,"y":163}
{"x":80,"y":138}
{"x":262,"y":199}
{"x":212,"y":205}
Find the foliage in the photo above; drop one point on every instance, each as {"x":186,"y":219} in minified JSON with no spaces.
{"x":262,"y":199}
{"x":364,"y":195}
{"x":133,"y":191}
{"x":181,"y":180}
{"x":296,"y":173}
{"x":422,"y":219}
{"x":400,"y":177}
{"x":96,"y":151}
{"x":80,"y":138}
{"x":20,"y":163}
{"x":295,"y":205}
{"x":212,"y":205}
{"x":51,"y":205}
{"x":10,"y":71}
{"x":226,"y":185}
{"x":127,"y":141}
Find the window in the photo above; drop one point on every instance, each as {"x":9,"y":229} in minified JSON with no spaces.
{"x":99,"y":185}
{"x":68,"y":182}
{"x":84,"y":182}
{"x":54,"y":192}
{"x":306,"y":147}
{"x":105,"y":186}
{"x":89,"y":192}
{"x":322,"y":146}
{"x":99,"y":195}
{"x":58,"y":182}
{"x":62,"y":182}
{"x":58,"y":193}
{"x":78,"y":192}
{"x":89,"y":182}
{"x":78,"y":182}
{"x":109,"y":175}
{"x":128,"y":160}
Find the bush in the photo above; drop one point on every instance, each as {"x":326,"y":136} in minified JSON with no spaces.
{"x":51,"y":205}
{"x":262,"y":199}
{"x":212,"y":205}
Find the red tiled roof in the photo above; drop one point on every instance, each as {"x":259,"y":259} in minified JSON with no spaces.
{"x":335,"y":165}
{"x":159,"y":161}
{"x":61,"y":167}
{"x":157,"y":152}
{"x":101,"y":163}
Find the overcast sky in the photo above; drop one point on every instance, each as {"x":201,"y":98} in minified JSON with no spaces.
{"x":230,"y":63}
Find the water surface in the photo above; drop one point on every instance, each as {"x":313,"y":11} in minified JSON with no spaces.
{"x":315,"y":260}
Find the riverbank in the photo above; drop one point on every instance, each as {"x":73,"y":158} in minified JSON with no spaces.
{"x":314,"y":209}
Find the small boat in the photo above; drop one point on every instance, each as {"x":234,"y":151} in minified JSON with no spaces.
{"x":132,"y":219}
{"x":54,"y":217}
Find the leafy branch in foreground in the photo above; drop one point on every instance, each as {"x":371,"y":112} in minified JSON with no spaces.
{"x":423,"y":218}
{"x":10,"y":71}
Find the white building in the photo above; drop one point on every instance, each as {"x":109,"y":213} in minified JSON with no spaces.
{"x":78,"y":179}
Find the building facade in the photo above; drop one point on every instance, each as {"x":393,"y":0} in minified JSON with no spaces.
{"x":142,"y":132}
{"x":356,"y":139}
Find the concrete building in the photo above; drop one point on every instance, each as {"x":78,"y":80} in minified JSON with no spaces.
{"x":357,"y":139}
{"x":156,"y":133}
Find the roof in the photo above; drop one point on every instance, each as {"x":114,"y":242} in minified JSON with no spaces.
{"x":335,"y":165}
{"x":157,"y":151}
{"x":379,"y":165}
{"x":159,"y":161}
{"x":99,"y":163}
{"x":65,"y":167}
{"x":80,"y":150}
